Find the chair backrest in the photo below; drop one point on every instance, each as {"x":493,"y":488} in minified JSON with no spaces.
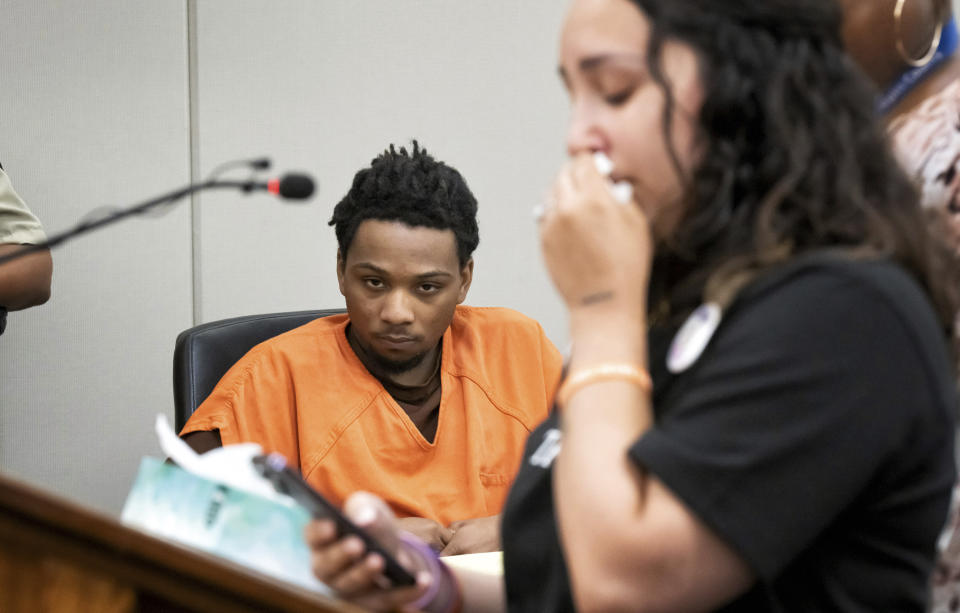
{"x":204,"y":353}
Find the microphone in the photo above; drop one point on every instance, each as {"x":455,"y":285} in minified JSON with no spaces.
{"x":291,"y":186}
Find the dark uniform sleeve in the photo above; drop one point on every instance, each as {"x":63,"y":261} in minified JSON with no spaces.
{"x":805,"y":391}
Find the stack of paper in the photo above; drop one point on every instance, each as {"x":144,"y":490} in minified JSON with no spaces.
{"x":263,"y":532}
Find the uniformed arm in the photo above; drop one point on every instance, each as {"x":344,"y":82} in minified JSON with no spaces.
{"x":25,"y":282}
{"x":629,"y":544}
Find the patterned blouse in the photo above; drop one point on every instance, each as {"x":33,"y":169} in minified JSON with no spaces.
{"x":927,"y":143}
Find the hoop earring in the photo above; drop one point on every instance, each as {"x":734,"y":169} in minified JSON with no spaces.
{"x":934,"y":44}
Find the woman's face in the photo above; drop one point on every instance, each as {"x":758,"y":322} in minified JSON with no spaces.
{"x":617,"y":108}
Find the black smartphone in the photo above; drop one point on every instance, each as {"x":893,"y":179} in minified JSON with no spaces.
{"x":287,"y":481}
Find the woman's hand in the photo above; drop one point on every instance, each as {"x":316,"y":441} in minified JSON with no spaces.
{"x":597,"y":250}
{"x":352,"y":572}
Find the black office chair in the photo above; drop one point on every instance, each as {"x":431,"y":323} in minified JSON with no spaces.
{"x":204,"y":353}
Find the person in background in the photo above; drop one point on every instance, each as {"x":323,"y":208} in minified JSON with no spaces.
{"x":909,"y":49}
{"x":411,"y":394}
{"x":759,"y":406}
{"x":24,"y":282}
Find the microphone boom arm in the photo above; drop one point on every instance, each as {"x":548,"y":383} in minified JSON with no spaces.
{"x":88,"y":226}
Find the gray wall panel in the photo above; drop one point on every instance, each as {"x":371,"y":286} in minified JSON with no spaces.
{"x":324,"y":86}
{"x":94,"y":112}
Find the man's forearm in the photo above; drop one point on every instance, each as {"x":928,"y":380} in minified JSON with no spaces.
{"x":25,"y":282}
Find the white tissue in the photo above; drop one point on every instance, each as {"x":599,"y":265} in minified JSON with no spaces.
{"x":622,"y":191}
{"x":230,"y":465}
{"x":603,"y":163}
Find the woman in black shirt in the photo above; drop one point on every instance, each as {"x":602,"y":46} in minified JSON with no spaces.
{"x":758,"y":409}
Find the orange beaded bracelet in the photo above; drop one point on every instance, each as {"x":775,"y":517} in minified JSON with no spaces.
{"x":602,"y":372}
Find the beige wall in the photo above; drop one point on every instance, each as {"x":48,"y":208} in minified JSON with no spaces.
{"x":93,"y":112}
{"x":326,"y":86}
{"x":108,"y":102}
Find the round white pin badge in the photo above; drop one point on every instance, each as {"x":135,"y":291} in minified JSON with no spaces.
{"x":693,"y":337}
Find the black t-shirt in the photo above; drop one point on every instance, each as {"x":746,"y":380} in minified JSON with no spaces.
{"x":814,"y":435}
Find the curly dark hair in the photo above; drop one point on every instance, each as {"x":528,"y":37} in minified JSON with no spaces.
{"x":795,"y":158}
{"x":415,"y":189}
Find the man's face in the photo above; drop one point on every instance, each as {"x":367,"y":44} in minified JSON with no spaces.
{"x":401,"y":286}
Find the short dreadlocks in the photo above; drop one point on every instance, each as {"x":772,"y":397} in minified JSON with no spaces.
{"x":412,"y":188}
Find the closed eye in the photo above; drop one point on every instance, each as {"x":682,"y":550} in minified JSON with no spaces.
{"x":618,"y":98}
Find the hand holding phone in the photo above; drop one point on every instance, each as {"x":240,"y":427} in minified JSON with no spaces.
{"x":287,"y":481}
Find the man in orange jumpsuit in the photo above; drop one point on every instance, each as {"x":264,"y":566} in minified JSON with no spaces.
{"x":410,"y":395}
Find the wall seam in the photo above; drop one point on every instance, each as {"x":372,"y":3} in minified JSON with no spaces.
{"x":194,"y":156}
